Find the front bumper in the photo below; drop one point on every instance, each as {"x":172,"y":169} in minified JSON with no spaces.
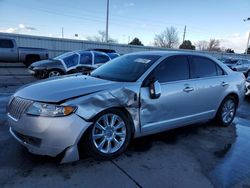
{"x":47,"y":135}
{"x":31,"y":71}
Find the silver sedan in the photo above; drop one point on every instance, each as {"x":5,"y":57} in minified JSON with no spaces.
{"x":134,"y":95}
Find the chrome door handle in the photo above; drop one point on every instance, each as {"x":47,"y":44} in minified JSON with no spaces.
{"x":224,"y":84}
{"x":188,"y":89}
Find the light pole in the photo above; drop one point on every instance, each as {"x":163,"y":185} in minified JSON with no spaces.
{"x":245,"y":20}
{"x":107,"y":22}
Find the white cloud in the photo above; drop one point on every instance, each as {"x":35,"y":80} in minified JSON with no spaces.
{"x":129,"y":4}
{"x":236,"y":41}
{"x":21,"y":26}
{"x":20,"y":29}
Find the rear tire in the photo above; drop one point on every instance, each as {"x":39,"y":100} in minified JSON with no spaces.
{"x":227,"y":111}
{"x":109,"y":136}
{"x":31,"y":59}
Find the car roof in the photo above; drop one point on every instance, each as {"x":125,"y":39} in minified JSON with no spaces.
{"x":102,"y":50}
{"x":170,"y":53}
{"x":81,"y":51}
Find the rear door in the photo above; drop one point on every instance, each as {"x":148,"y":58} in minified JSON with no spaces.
{"x":8,"y":50}
{"x":210,"y":83}
{"x":100,"y":58}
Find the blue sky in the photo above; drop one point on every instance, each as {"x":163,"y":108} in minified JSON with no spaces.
{"x":220,"y":19}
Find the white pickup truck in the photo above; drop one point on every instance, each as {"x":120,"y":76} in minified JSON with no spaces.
{"x":10,"y":52}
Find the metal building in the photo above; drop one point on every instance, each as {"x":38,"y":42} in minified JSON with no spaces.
{"x":57,"y":46}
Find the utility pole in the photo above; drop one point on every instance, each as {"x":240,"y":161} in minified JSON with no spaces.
{"x":62,"y":32}
{"x":184,"y":33}
{"x":245,"y":20}
{"x":248,"y":42}
{"x":107,"y":22}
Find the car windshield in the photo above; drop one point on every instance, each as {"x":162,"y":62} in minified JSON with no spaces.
{"x":127,"y":68}
{"x":62,"y":56}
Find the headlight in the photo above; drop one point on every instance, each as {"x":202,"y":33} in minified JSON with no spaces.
{"x":49,"y":110}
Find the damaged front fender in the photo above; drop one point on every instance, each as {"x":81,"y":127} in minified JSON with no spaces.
{"x":126,"y":97}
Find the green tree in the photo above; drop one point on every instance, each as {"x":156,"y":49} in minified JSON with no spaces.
{"x":187,"y":44}
{"x":136,"y":41}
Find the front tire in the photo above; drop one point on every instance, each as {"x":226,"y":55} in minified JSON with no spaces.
{"x":54,"y":73}
{"x":227,"y":111}
{"x":109,"y":136}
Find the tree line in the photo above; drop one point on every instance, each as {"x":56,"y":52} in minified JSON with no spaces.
{"x":169,"y":39}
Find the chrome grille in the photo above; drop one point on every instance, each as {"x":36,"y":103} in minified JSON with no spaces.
{"x":17,"y":107}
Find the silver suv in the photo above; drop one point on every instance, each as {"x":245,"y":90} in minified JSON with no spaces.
{"x":131,"y":96}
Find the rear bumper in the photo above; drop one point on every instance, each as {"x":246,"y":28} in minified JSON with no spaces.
{"x":48,"y":136}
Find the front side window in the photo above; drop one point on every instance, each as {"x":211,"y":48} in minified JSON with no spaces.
{"x":71,"y":61}
{"x":100,"y":58}
{"x":86,"y":58}
{"x":202,"y":67}
{"x":172,"y":69}
{"x":4,"y":43}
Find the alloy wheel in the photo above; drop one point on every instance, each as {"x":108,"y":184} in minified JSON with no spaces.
{"x":109,"y":133}
{"x":228,"y":111}
{"x":54,"y":73}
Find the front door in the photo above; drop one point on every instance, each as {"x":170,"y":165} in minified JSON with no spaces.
{"x":174,"y":106}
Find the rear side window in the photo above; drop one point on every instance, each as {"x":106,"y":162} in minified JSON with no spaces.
{"x":219,"y":71}
{"x":203,"y":67}
{"x":5,"y":43}
{"x":86,"y":58}
{"x":245,"y":61}
{"x":71,"y":61}
{"x":172,"y":69}
{"x":100,"y":58}
{"x":113,"y":55}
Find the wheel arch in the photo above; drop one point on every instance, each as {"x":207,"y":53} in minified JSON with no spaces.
{"x":122,"y":109}
{"x":84,"y":135}
{"x":232,"y":94}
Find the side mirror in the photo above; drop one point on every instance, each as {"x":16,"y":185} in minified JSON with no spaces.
{"x":155,"y":90}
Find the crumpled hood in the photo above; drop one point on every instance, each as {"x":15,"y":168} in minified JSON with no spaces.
{"x":59,"y":89}
{"x":44,"y":63}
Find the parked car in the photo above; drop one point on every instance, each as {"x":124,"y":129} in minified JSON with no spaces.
{"x":240,"y":65}
{"x":131,"y":96}
{"x":68,"y":63}
{"x":10,"y":52}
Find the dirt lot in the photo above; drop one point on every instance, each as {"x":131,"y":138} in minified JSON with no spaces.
{"x":200,"y":155}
